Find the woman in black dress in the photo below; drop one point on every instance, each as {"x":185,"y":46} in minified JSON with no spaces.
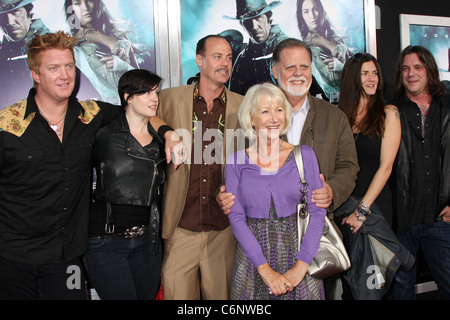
{"x":377,"y":132}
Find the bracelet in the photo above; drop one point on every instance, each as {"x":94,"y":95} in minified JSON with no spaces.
{"x":361,"y":214}
{"x":362,"y":204}
{"x":362,"y":211}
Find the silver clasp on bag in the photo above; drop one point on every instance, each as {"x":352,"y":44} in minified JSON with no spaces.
{"x":302,"y":207}
{"x":304,"y":187}
{"x":302,"y":210}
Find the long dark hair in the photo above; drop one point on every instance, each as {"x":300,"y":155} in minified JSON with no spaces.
{"x":101,"y":18}
{"x":435,"y":86}
{"x":352,"y":91}
{"x":325,"y":28}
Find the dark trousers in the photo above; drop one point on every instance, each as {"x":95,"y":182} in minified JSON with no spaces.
{"x":56,"y":281}
{"x":435,"y":243}
{"x":123,"y":269}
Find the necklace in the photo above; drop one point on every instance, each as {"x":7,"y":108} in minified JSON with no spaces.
{"x":54,"y":126}
{"x":272,"y":155}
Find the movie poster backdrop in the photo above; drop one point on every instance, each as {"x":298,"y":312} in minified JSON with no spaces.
{"x":200,"y":18}
{"x":431,"y":32}
{"x":130,"y":22}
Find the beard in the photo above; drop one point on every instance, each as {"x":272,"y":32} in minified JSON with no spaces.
{"x":296,"y":91}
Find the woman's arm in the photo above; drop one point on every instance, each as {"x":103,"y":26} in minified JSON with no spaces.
{"x":315,"y":39}
{"x":98,"y":37}
{"x":238,"y":216}
{"x":174,"y":145}
{"x":277,"y":283}
{"x":390,"y":143}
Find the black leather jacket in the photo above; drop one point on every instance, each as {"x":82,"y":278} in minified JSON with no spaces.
{"x":127,"y":173}
{"x":404,"y":165}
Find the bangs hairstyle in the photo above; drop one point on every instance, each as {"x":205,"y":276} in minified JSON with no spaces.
{"x":136,"y":82}
{"x":40,"y":43}
{"x":252,"y":99}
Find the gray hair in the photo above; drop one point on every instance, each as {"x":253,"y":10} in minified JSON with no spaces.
{"x":289,"y":44}
{"x":252,"y":99}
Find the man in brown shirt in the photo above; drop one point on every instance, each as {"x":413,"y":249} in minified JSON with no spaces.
{"x":199,"y":245}
{"x":201,"y":211}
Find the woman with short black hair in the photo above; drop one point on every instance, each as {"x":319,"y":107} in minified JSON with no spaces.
{"x":124,"y":257}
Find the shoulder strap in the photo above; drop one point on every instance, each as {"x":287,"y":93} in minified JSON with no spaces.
{"x":299,"y":160}
{"x":302,"y":207}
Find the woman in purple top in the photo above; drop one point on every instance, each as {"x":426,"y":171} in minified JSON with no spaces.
{"x":265,"y":180}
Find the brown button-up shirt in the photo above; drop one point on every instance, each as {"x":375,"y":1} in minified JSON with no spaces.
{"x":201,"y":211}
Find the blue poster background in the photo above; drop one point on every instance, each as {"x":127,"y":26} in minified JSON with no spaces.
{"x":437,"y":40}
{"x":135,"y":17}
{"x":200,"y":18}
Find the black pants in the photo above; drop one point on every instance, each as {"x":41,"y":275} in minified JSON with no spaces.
{"x":58,"y":281}
{"x":123,"y":269}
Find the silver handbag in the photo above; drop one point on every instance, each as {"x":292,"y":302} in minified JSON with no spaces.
{"x":332,"y":258}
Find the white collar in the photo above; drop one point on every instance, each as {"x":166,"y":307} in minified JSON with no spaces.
{"x":304,"y":109}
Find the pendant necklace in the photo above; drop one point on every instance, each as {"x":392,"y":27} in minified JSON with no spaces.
{"x":54,"y":126}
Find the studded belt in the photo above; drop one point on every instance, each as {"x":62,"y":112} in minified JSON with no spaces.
{"x":129,"y":233}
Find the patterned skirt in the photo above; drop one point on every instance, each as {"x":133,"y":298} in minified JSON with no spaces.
{"x":278,"y":240}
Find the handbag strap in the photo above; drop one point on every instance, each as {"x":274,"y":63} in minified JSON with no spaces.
{"x":299,"y":160}
{"x":302,"y":207}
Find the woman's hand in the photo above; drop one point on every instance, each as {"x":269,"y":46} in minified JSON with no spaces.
{"x":277,"y":283}
{"x":353,"y":222}
{"x":176,"y":150}
{"x":108,"y":61}
{"x":297,"y":273}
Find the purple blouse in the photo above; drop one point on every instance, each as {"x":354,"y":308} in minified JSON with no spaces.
{"x":253,"y":188}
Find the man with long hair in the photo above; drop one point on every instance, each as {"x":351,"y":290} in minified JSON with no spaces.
{"x":422,"y":170}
